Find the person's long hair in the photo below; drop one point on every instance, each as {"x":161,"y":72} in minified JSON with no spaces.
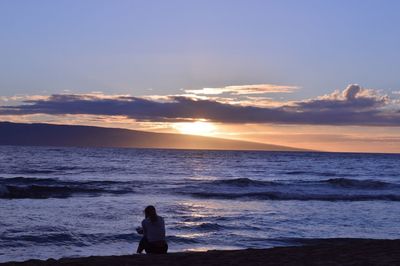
{"x":150,"y":212}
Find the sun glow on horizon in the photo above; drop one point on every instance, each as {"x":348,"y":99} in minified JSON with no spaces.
{"x":195,"y":128}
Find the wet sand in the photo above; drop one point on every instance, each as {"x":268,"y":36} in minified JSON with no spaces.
{"x":316,"y":252}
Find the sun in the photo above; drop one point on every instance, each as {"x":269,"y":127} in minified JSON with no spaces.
{"x":195,"y":128}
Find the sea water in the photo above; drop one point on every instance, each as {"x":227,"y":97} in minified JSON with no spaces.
{"x":69,"y":202}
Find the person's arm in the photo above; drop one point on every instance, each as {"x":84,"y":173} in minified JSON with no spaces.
{"x":139,"y":230}
{"x":144,"y":229}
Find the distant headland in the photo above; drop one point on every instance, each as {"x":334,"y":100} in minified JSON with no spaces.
{"x":90,"y":136}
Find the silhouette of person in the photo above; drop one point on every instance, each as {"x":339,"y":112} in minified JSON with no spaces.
{"x":153,"y":231}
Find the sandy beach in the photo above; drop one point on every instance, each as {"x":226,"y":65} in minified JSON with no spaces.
{"x":318,"y":252}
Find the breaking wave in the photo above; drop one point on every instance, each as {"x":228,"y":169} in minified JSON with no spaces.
{"x":335,"y":189}
{"x":294,"y":196}
{"x":42,"y":188}
{"x":333,"y":182}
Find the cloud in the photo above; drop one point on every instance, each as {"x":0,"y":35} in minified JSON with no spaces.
{"x":19,"y":98}
{"x":245,"y":89}
{"x":352,"y":106}
{"x":353,"y":98}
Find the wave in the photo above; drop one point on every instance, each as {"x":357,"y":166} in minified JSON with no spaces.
{"x":42,"y":238}
{"x":108,"y":238}
{"x":309,"y":173}
{"x":182,"y":239}
{"x":34,"y":171}
{"x":242,"y":182}
{"x":294,"y":196}
{"x":210,"y":227}
{"x":43,"y":192}
{"x":42,"y":188}
{"x":334,"y":189}
{"x":206,"y":226}
{"x":26,"y":180}
{"x":35,"y":180}
{"x":333,"y":182}
{"x":62,"y":238}
{"x":353,"y":183}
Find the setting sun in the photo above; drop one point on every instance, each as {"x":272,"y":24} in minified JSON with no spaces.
{"x":195,"y":128}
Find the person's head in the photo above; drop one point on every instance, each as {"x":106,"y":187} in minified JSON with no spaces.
{"x":150,"y":212}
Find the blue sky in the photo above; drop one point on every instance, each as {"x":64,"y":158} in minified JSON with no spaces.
{"x":159,"y":47}
{"x":281,"y":72}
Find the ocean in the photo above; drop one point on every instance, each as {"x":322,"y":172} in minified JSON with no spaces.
{"x":72,"y":202}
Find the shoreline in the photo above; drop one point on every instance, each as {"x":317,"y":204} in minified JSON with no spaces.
{"x":317,"y":252}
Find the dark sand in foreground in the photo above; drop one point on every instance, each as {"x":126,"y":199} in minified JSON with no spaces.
{"x":321,"y":252}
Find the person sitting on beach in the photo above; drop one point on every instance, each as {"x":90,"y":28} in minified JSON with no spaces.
{"x":153,"y":231}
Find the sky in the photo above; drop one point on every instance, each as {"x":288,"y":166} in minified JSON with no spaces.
{"x":312,"y":74}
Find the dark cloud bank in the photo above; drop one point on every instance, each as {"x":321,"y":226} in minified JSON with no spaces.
{"x":352,"y":106}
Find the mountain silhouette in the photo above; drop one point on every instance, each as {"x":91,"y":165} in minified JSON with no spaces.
{"x":90,"y":136}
